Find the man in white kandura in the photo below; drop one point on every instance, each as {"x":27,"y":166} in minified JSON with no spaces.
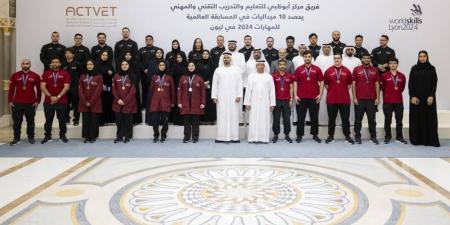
{"x":226,"y":91}
{"x":260,"y":102}
{"x":238,"y":60}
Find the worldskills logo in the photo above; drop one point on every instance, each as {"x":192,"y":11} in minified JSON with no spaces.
{"x":407,"y":23}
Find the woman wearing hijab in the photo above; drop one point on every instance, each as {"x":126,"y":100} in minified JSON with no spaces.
{"x":90,"y":88}
{"x":423,"y":121}
{"x":191,"y":101}
{"x":177,"y":70}
{"x":135,"y":70}
{"x":171,"y":56}
{"x":105,"y":68}
{"x":152,"y":70}
{"x":162,"y":99}
{"x":206,"y":71}
{"x":124,"y":105}
{"x":195,"y":54}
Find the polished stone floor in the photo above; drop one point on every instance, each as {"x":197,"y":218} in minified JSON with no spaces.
{"x":224,"y":191}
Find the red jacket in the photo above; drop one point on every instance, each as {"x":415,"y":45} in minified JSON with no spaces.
{"x":161,"y":98}
{"x":128,"y":95}
{"x":54,"y":87}
{"x":338,"y":91}
{"x":390,"y":94}
{"x":366,"y":89}
{"x":198,"y":97}
{"x":32,"y":93}
{"x":90,"y":93}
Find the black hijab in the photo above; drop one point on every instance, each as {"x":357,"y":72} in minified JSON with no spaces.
{"x":189,"y":73}
{"x":160,"y":72}
{"x":176,"y":51}
{"x":92,"y":72}
{"x":423,"y":66}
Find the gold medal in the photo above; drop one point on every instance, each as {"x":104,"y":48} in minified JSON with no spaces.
{"x":396,"y":88}
{"x":162,"y":89}
{"x":88,"y":87}
{"x":308,"y":78}
{"x":24,"y":88}
{"x":123,"y":88}
{"x":338,"y":81}
{"x":190,"y":89}
{"x":159,"y":89}
{"x":282,"y":89}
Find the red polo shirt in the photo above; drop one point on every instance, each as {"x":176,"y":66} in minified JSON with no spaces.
{"x":308,"y":89}
{"x":365,"y":87}
{"x":55,"y":81}
{"x":390,"y":94}
{"x":282,"y":88}
{"x":24,"y":88}
{"x":337,"y":92}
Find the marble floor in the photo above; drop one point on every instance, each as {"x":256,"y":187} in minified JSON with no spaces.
{"x":224,"y":191}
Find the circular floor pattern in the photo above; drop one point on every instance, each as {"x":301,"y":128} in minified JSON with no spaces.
{"x":238,"y":195}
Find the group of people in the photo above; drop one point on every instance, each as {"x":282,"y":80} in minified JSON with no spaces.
{"x":227,"y":87}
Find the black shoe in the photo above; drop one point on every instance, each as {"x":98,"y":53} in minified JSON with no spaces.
{"x":329,"y":140}
{"x":349,"y":140}
{"x":46,"y":139}
{"x":288,"y":139}
{"x":31,"y":140}
{"x":195,"y":141}
{"x":92,"y":140}
{"x":317,"y":139}
{"x":86,"y":140}
{"x":401,"y":140}
{"x":387,"y":140}
{"x":275,"y":139}
{"x":76,"y":123}
{"x":162,"y":140}
{"x":117,"y":140}
{"x":64,"y":139}
{"x":185,"y":140}
{"x":298,"y":139}
{"x":374,"y":140}
{"x":126,"y":140}
{"x":358,"y":140}
{"x":14,"y":142}
{"x":155,"y":140}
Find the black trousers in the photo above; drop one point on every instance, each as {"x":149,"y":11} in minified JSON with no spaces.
{"x":124,"y":122}
{"x":344,"y":112}
{"x":368,"y":107}
{"x":89,"y":124}
{"x":388,"y":109}
{"x":72,"y":95}
{"x":49,"y":111}
{"x":160,"y":118}
{"x":18,"y":111}
{"x":191,"y":127}
{"x":282,"y":108}
{"x":313,"y":108}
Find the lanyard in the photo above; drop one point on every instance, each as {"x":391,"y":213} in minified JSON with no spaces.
{"x":24,"y":80}
{"x":338,"y":75}
{"x":124,"y":80}
{"x":161,"y":81}
{"x":282,"y":79}
{"x":55,"y":79}
{"x":89,"y":79}
{"x":191,"y":79}
{"x":308,"y":72}
{"x":366,"y":74}
{"x":394,"y":79}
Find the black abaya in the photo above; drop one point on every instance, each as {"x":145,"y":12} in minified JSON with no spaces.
{"x":423,"y":121}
